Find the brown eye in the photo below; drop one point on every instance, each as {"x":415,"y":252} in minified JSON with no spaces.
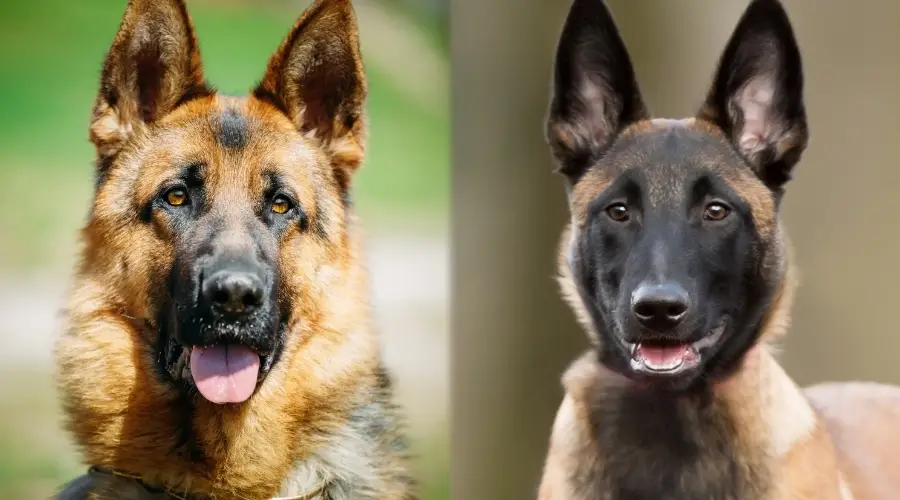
{"x":716,"y":211}
{"x":281,"y":205}
{"x":176,"y":197}
{"x":618,"y":212}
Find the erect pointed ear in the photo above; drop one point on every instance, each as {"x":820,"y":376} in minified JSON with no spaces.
{"x":757,"y":93}
{"x":152,"y":66}
{"x":595,"y":92}
{"x":316,"y":77}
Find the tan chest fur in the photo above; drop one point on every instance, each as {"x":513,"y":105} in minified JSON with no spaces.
{"x":835,"y":442}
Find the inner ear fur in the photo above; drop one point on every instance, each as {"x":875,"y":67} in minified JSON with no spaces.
{"x":595,"y":91}
{"x":757,"y":93}
{"x":152,"y":66}
{"x":316,"y":77}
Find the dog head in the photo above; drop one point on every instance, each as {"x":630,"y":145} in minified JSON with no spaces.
{"x":219,"y":221}
{"x":675,"y":253}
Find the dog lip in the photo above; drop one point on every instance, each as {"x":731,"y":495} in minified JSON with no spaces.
{"x":712,"y":338}
{"x":696,"y":353}
{"x":207,"y":345}
{"x":639,"y":364}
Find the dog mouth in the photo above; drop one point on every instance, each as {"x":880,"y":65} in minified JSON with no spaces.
{"x":222,"y":373}
{"x":666,"y":358}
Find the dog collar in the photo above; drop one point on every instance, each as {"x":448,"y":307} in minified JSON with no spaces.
{"x":155,"y":490}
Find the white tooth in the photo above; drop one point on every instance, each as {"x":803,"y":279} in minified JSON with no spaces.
{"x":636,"y":364}
{"x":671,"y":365}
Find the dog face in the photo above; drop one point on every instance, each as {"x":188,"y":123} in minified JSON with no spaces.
{"x":675,"y":252}
{"x":232,"y":207}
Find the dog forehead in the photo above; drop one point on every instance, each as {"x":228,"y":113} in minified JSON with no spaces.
{"x":674,"y":147}
{"x":244,"y":127}
{"x":663,"y":157}
{"x":663,"y":164}
{"x":231,"y":122}
{"x":238,"y":122}
{"x":238,"y":140}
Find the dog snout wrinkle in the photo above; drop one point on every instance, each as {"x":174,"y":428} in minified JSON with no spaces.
{"x":660,"y":307}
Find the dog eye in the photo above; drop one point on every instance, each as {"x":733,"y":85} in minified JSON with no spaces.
{"x":176,"y":197}
{"x":716,"y":211}
{"x":281,"y":205}
{"x":618,"y":212}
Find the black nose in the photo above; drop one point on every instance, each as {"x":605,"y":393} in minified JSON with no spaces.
{"x":233,"y":293}
{"x":660,"y":307}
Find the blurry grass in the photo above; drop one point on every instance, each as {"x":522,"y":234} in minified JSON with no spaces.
{"x":36,"y":456}
{"x":49,"y":70}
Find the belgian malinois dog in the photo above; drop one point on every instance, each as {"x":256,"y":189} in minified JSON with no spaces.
{"x":219,"y":342}
{"x":676,"y":263}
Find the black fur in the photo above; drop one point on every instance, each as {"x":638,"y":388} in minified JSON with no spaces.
{"x":762,"y":43}
{"x":595,"y":87}
{"x":668,"y":447}
{"x":276,"y":187}
{"x":186,"y":316}
{"x":666,"y":178}
{"x":190,"y":179}
{"x":233,"y":132}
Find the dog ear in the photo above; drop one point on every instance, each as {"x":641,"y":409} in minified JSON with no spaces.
{"x":152,"y":66}
{"x":595,"y":92}
{"x":316,"y":77}
{"x":757,"y":93}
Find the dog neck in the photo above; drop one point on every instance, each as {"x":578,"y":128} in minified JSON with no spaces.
{"x":348,"y":463}
{"x":99,"y":479}
{"x":736,"y":440}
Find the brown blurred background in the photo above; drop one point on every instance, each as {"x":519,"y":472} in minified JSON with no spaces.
{"x":50,"y":57}
{"x":513,"y":337}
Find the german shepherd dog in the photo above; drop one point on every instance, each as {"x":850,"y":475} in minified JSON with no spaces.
{"x":676,"y":263}
{"x":219,"y":341}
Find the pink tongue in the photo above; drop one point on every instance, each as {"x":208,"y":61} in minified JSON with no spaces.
{"x":663,"y":354}
{"x":225,"y":373}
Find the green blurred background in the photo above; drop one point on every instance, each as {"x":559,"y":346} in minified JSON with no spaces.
{"x":50,"y":57}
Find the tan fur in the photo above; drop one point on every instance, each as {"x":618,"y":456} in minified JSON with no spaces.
{"x":567,"y":284}
{"x":819,"y":459}
{"x":296,"y":432}
{"x":861,"y":419}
